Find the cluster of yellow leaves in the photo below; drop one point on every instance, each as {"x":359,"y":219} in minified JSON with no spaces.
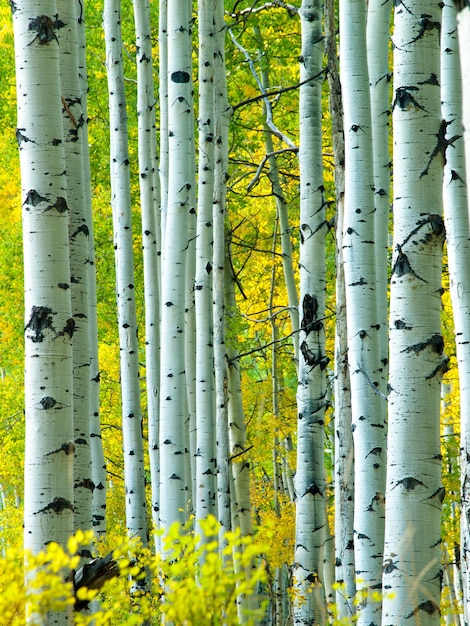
{"x":194,"y":580}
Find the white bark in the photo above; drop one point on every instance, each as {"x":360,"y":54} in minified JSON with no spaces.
{"x":134,"y":475}
{"x":310,"y":483}
{"x":455,"y":200}
{"x":173,"y":487}
{"x":96,"y":442}
{"x":463,"y":21}
{"x":150,"y":208}
{"x":378,"y":33}
{"x":73,"y":122}
{"x":344,"y":451}
{"x":48,"y":360}
{"x":362,"y":309}
{"x":205,"y":394}
{"x":48,"y":498}
{"x":163,"y":110}
{"x":412,"y":553}
{"x":222,"y":115}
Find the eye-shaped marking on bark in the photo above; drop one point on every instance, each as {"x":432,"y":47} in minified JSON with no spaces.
{"x":432,"y":80}
{"x":426,"y":25}
{"x":39,"y":321}
{"x":85,"y":483}
{"x":33,"y":198}
{"x":83,"y":229}
{"x":456,"y":176}
{"x":435,"y":343}
{"x":44,"y":27}
{"x":428,"y":606}
{"x":409,"y":483}
{"x":401,"y":324}
{"x":389,"y":566}
{"x":309,"y":309}
{"x":21,"y":137}
{"x":60,"y":205}
{"x":402,"y":265}
{"x":47,"y":402}
{"x":58,"y":505}
{"x":378,"y":499}
{"x":404,"y":100}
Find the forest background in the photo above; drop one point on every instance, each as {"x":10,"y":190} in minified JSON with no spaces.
{"x":263,"y":51}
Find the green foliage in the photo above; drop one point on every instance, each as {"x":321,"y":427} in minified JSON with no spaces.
{"x":195,"y":580}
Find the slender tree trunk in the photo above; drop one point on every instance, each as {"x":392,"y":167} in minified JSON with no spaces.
{"x":173,"y":443}
{"x":412,"y":554}
{"x":73,"y":121}
{"x":206,"y":468}
{"x":150,"y":207}
{"x":362,"y":310}
{"x":49,"y":447}
{"x":96,"y":442}
{"x":134,"y":474}
{"x":344,"y":451}
{"x":463,"y":21}
{"x":310,"y":483}
{"x":163,"y":109}
{"x":378,"y":29}
{"x":455,"y":201}
{"x":222,"y":116}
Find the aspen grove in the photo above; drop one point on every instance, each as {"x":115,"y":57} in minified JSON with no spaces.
{"x":235,"y":303}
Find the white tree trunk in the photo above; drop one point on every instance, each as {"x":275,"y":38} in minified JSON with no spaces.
{"x":150,"y":207}
{"x":163,"y":110}
{"x":222,"y":116}
{"x":73,"y":122}
{"x":206,"y":467}
{"x":134,"y":475}
{"x":344,"y":451}
{"x":456,"y":218}
{"x":378,"y":32}
{"x":310,"y":483}
{"x":96,"y":442}
{"x":173,"y":450}
{"x":412,"y":553}
{"x":49,"y":448}
{"x":362,"y":308}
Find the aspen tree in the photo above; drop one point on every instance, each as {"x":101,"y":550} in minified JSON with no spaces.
{"x":49,"y":448}
{"x":96,"y":441}
{"x":134,"y":475}
{"x":455,"y":200}
{"x":221,"y":126}
{"x":163,"y":109}
{"x":206,"y":468}
{"x":362,"y":311}
{"x":310,"y":483}
{"x":345,"y":574}
{"x":173,"y":443}
{"x":412,"y":553}
{"x":150,"y":208}
{"x":378,"y":28}
{"x":73,"y":121}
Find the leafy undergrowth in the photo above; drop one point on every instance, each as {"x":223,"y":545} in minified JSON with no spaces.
{"x":191,"y":581}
